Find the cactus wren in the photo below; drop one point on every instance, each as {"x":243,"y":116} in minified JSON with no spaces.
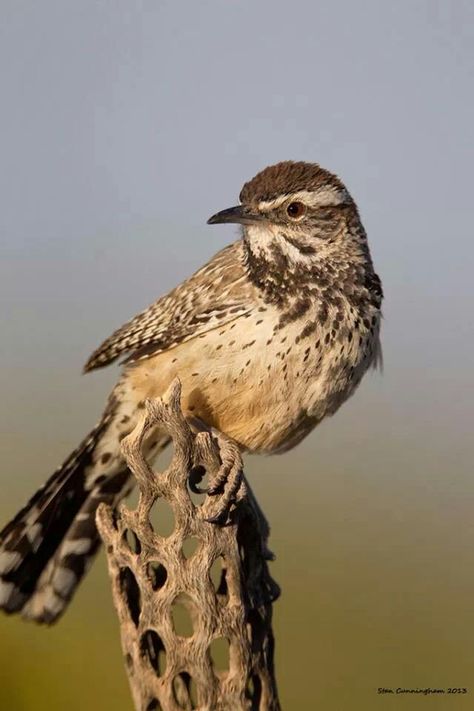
{"x":268,"y":338}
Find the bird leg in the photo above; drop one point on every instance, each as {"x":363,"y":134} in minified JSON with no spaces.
{"x":228,"y":482}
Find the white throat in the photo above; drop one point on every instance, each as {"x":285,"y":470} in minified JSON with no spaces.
{"x":263,"y":240}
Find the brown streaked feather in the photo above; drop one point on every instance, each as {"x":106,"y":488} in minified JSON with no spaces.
{"x":216,"y":294}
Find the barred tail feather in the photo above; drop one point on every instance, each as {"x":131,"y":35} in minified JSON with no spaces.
{"x":45,"y":550}
{"x":63,"y":572}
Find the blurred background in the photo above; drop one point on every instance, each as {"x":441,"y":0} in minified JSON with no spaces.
{"x":124,"y":125}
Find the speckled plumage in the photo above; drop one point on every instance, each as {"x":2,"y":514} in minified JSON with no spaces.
{"x":217,"y":293}
{"x":268,"y":338}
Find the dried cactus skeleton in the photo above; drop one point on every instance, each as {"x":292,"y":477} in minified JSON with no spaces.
{"x":150,"y":575}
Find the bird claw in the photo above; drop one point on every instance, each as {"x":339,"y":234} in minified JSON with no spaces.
{"x":229,"y":482}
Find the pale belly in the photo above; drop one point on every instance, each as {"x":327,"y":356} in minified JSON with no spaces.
{"x":259,"y":387}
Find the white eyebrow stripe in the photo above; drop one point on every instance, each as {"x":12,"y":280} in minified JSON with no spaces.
{"x":324,"y":197}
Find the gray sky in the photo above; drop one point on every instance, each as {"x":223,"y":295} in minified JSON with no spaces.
{"x":125,"y":124}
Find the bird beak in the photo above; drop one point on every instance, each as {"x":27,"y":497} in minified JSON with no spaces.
{"x":240,"y":214}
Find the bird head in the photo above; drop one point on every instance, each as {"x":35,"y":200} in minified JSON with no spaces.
{"x":299,"y":208}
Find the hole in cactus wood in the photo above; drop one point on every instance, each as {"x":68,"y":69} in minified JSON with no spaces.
{"x":181,"y":616}
{"x":153,"y":649}
{"x":218,"y":577}
{"x":156,"y":574}
{"x":193,"y":696}
{"x":161,"y":518}
{"x":154,"y":705}
{"x":198,"y":479}
{"x":165,"y":455}
{"x":219,"y":650}
{"x":190,"y":546}
{"x":132,"y":541}
{"x":253,"y":690}
{"x":184,"y":691}
{"x":130,"y":589}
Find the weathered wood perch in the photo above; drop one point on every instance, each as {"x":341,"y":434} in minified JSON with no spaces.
{"x":150,"y":575}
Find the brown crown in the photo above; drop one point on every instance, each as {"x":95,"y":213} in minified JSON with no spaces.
{"x":286,"y":178}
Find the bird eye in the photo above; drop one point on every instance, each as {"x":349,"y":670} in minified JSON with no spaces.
{"x":295,"y":210}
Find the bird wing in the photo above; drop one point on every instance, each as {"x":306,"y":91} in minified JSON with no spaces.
{"x":216,"y":294}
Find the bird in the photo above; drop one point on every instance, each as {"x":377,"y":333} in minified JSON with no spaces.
{"x":268,"y":338}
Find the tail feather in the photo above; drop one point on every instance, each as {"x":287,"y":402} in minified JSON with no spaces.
{"x":55,"y":533}
{"x":49,"y":545}
{"x":21,"y":531}
{"x":61,"y":575}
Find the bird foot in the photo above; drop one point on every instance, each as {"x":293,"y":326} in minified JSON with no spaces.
{"x":227,"y":487}
{"x":228,"y":483}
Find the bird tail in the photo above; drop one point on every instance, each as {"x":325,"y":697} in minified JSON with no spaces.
{"x":47,"y":548}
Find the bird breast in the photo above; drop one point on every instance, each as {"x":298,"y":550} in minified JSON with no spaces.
{"x":264,"y":385}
